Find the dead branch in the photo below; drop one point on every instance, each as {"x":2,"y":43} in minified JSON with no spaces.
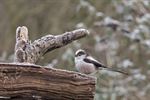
{"x":34,"y":82}
{"x":31,"y":52}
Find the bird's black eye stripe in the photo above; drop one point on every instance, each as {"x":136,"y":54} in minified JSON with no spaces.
{"x":80,"y":53}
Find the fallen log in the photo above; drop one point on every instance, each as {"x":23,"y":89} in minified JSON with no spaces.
{"x":34,"y":82}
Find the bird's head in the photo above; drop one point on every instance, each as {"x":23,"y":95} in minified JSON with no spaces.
{"x":80,"y":54}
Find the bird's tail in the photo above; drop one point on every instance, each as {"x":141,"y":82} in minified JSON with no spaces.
{"x":116,"y":70}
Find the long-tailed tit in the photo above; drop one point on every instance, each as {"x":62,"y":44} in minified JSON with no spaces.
{"x":86,"y":64}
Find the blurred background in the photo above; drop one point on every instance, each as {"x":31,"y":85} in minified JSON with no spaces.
{"x":120,"y":38}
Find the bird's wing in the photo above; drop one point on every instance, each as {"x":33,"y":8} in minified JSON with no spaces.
{"x":96,"y":63}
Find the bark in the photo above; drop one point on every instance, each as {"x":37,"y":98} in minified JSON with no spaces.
{"x":23,"y":80}
{"x":31,"y":52}
{"x":34,"y":82}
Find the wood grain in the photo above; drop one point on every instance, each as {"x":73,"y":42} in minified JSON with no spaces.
{"x":35,"y":82}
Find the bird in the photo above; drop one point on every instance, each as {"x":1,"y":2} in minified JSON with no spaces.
{"x":86,"y":64}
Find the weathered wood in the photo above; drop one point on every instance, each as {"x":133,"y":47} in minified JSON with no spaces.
{"x":28,"y":82}
{"x":31,"y":52}
{"x":24,"y":81}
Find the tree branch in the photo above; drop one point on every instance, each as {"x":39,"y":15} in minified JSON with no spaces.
{"x":31,"y":52}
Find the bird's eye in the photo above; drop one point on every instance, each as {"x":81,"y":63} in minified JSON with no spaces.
{"x":79,"y":54}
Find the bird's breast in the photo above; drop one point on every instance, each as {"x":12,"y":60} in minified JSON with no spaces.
{"x":84,"y":67}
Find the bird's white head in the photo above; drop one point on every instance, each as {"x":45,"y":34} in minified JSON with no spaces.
{"x":80,"y":54}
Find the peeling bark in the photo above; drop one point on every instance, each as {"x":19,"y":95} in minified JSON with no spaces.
{"x":31,"y":52}
{"x":34,"y":82}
